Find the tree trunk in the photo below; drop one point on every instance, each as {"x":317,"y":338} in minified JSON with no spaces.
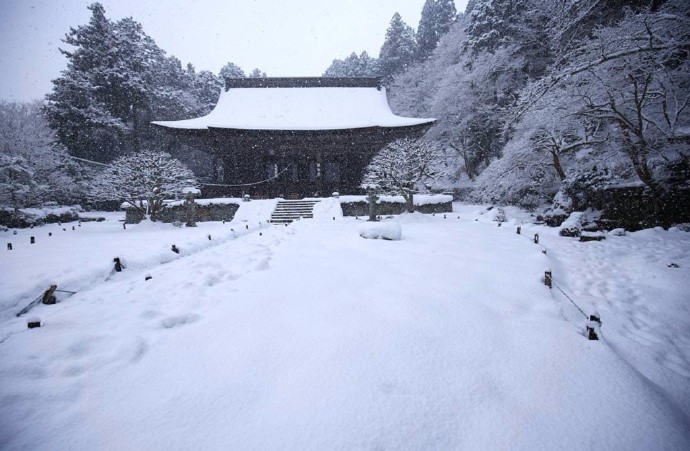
{"x":409,"y":202}
{"x":637,"y":151}
{"x":557,"y":166}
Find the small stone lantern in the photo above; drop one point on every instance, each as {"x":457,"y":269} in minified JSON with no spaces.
{"x":372,"y":198}
{"x":190,"y":206}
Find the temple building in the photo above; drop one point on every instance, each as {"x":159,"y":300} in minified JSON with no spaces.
{"x":294,"y":137}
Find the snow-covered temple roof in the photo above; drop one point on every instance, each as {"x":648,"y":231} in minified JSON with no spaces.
{"x":299,"y":104}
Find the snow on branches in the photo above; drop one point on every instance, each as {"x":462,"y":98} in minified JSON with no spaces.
{"x":405,"y":166}
{"x":143,"y":181}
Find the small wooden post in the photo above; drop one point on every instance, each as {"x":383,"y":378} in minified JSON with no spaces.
{"x":49,"y":295}
{"x":592,"y":326}
{"x":73,"y":228}
{"x":118,"y":264}
{"x":175,"y":249}
{"x":444,"y":216}
{"x":519,"y":229}
{"x":223,"y":221}
{"x":547,"y":278}
{"x":9,"y":246}
{"x":247,"y":226}
{"x":33,"y":240}
{"x":124,"y":226}
{"x":334,"y":218}
{"x":536,"y":238}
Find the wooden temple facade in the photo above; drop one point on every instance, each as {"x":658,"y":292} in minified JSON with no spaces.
{"x":294,"y":137}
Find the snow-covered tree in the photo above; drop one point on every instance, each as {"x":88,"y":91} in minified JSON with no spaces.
{"x":231,"y":70}
{"x":33,"y":169}
{"x":142,"y":180}
{"x":437,"y":17}
{"x":206,"y":89}
{"x":353,"y":66}
{"x":404,"y":167}
{"x":117,"y":81}
{"x":399,"y":48}
{"x":257,"y":73}
{"x":492,"y":22}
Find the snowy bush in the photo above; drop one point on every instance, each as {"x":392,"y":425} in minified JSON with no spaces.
{"x":381,"y":231}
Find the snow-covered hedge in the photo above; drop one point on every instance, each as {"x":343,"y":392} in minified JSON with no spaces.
{"x":27,"y":217}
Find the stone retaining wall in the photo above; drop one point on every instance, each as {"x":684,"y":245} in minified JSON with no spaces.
{"x":207,"y":212}
{"x":384,"y":208}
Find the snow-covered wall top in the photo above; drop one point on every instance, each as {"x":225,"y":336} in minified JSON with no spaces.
{"x":313,"y":108}
{"x":418,"y":199}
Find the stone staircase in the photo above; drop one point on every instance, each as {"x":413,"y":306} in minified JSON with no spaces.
{"x":290,"y":210}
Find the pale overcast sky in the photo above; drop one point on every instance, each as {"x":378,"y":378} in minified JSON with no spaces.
{"x":281,"y":37}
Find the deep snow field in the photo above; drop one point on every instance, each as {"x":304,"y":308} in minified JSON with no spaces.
{"x":312,"y":337}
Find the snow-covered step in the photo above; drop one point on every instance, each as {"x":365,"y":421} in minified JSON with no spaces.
{"x":287,"y":211}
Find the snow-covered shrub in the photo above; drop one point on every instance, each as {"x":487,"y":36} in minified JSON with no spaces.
{"x":500,"y":215}
{"x":684,"y":227}
{"x":381,"y":231}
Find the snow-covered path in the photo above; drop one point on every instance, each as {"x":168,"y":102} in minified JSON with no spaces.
{"x":310,"y":337}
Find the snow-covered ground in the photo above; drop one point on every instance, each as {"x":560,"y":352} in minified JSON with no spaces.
{"x":311,"y":337}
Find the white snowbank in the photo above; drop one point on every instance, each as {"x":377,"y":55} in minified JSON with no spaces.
{"x":327,"y":209}
{"x":381,"y":231}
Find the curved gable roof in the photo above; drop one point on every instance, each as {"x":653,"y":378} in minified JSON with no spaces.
{"x":299,"y":104}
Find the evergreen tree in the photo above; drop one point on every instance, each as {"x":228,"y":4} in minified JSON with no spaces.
{"x":437,"y":18}
{"x":231,"y":70}
{"x":492,"y":22}
{"x":116,"y":82}
{"x":78,"y":108}
{"x":206,"y":88}
{"x":353,"y":66}
{"x":399,"y":48}
{"x":257,"y":73}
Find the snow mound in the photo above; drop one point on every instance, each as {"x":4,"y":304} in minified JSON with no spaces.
{"x":327,"y":209}
{"x":381,"y":231}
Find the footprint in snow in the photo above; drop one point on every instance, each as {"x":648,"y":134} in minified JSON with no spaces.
{"x":179,"y":320}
